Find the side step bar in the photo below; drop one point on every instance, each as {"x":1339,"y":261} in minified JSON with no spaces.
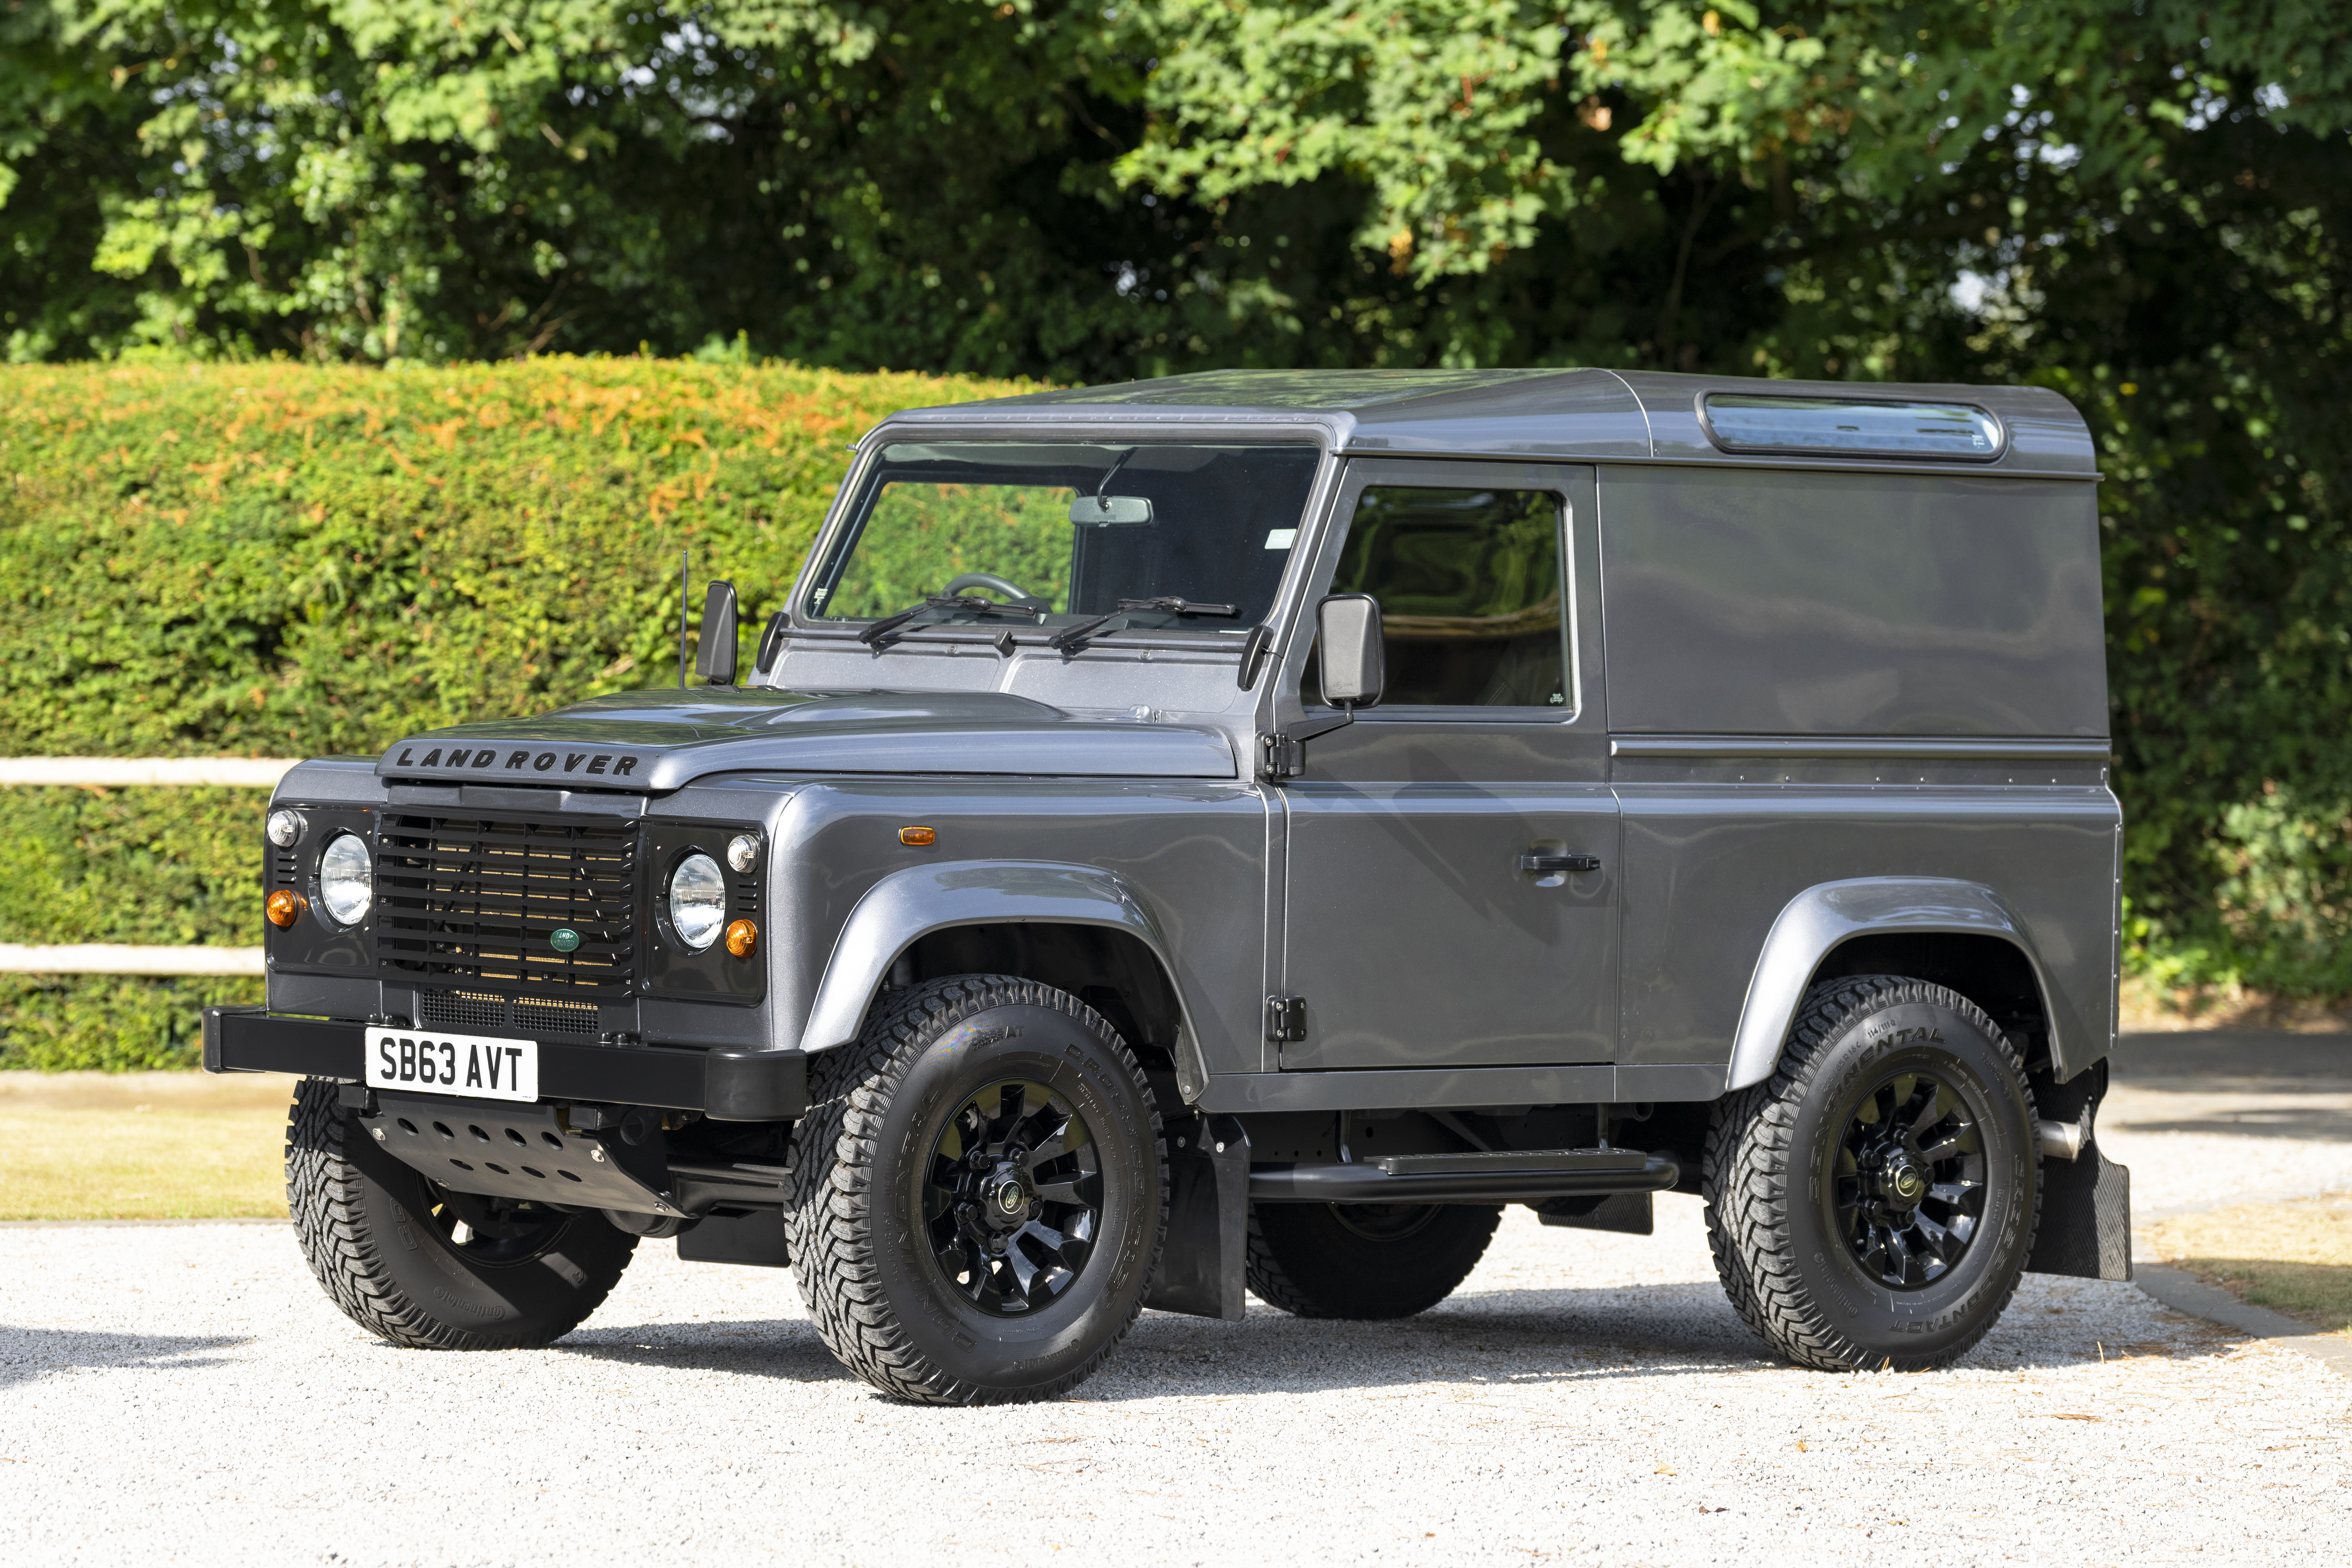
{"x":1487,"y":1178}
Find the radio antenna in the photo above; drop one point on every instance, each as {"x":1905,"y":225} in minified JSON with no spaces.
{"x":682,"y":597}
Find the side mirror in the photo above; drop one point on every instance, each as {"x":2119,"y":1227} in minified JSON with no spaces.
{"x":1348,"y":643}
{"x":715,"y":657}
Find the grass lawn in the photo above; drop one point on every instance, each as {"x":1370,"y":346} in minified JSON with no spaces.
{"x":142,"y":1145}
{"x":2294,"y":1257}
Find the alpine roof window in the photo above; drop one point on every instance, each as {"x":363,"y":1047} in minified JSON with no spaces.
{"x":1743,"y":422}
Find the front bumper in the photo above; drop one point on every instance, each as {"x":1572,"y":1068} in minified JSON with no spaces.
{"x":724,"y":1085}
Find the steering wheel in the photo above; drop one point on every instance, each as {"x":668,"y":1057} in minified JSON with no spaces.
{"x":991,"y":581}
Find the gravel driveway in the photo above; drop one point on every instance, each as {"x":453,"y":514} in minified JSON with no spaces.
{"x":184,"y":1392}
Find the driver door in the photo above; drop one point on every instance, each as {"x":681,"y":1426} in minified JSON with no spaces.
{"x":1412,"y":929}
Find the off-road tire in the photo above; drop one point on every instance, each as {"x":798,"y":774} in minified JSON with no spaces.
{"x":880,"y":1300}
{"x":1768,"y":1180}
{"x":1327,"y":1260}
{"x":365,"y":1223}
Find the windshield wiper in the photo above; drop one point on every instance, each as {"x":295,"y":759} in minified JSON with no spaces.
{"x":886,"y":631}
{"x":1077,"y":636}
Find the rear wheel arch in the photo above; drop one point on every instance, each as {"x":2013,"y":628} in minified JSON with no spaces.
{"x":1962,"y":935}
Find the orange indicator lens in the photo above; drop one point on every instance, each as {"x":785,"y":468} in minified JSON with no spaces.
{"x":918,"y":837}
{"x":742,"y":939}
{"x":283,"y":908}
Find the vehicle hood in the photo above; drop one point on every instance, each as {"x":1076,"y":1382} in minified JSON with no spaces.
{"x":652,"y":741}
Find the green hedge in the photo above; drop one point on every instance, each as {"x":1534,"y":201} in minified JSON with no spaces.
{"x":274,"y":560}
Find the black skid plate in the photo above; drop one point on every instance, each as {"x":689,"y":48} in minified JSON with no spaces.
{"x":519,"y":1152}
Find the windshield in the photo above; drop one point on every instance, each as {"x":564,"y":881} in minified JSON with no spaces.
{"x":1059,"y":537}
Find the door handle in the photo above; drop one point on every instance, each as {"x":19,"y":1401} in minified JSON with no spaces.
{"x":1543,"y":864}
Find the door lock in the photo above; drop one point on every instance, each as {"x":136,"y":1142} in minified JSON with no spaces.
{"x":1543,"y":865}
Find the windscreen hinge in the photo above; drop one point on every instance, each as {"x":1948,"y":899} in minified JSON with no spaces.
{"x":1282,"y":754}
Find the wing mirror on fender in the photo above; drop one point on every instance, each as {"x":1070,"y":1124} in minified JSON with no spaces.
{"x":714,"y":657}
{"x":1350,"y":646}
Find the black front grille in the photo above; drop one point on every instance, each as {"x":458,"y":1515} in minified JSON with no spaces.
{"x":474,"y":902}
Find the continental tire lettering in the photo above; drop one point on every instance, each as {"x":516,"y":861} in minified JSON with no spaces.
{"x":462,"y":1305}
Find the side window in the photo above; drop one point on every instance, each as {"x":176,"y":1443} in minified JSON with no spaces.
{"x":1469,"y":585}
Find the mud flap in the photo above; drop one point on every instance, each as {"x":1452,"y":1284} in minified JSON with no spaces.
{"x":756,"y":1239}
{"x":2086,"y":1202}
{"x":1201,"y":1263}
{"x":1629,"y":1213}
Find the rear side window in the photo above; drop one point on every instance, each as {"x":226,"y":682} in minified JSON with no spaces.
{"x":1469,"y":587}
{"x":1747,"y":602}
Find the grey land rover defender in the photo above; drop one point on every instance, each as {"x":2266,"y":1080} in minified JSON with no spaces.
{"x":1238,"y":832}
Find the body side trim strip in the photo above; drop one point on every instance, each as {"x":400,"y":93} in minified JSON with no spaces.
{"x":1972,"y":748}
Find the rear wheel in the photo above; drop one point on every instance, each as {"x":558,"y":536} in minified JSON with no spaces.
{"x":1872,"y":1203}
{"x":429,"y":1268}
{"x":1364,"y":1260}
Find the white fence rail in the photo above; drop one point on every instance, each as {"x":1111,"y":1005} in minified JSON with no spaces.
{"x":117,"y":958}
{"x":123,"y":773}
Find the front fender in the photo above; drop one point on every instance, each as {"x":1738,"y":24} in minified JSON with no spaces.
{"x":1820,"y":917}
{"x":913,"y":903}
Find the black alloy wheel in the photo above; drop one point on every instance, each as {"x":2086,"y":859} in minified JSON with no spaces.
{"x":1909,"y":1180}
{"x":492,"y":1232}
{"x":1013,"y":1201}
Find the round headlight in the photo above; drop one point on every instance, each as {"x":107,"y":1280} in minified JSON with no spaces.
{"x":698,"y":901}
{"x":284,"y":827}
{"x":345,"y":886}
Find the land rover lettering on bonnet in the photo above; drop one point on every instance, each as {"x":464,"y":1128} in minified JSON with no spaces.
{"x":1239,"y":833}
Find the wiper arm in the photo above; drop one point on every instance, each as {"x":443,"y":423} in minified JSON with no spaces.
{"x":1170,"y":605}
{"x":1071,"y":637}
{"x":1077,"y":636}
{"x":886,"y":631}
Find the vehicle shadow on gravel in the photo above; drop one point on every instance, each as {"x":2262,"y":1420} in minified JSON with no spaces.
{"x":27,"y":1354}
{"x":785,"y":1348}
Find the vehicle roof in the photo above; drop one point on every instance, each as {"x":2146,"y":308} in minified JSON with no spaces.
{"x":1580,"y":414}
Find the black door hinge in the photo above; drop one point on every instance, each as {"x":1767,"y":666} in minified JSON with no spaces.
{"x":1286,"y":1018}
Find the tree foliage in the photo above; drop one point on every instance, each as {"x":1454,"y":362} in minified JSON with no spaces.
{"x":2140,"y":202}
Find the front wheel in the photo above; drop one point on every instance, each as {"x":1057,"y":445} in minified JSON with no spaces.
{"x":978,"y":1193}
{"x":429,"y":1268}
{"x":1872,"y":1203}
